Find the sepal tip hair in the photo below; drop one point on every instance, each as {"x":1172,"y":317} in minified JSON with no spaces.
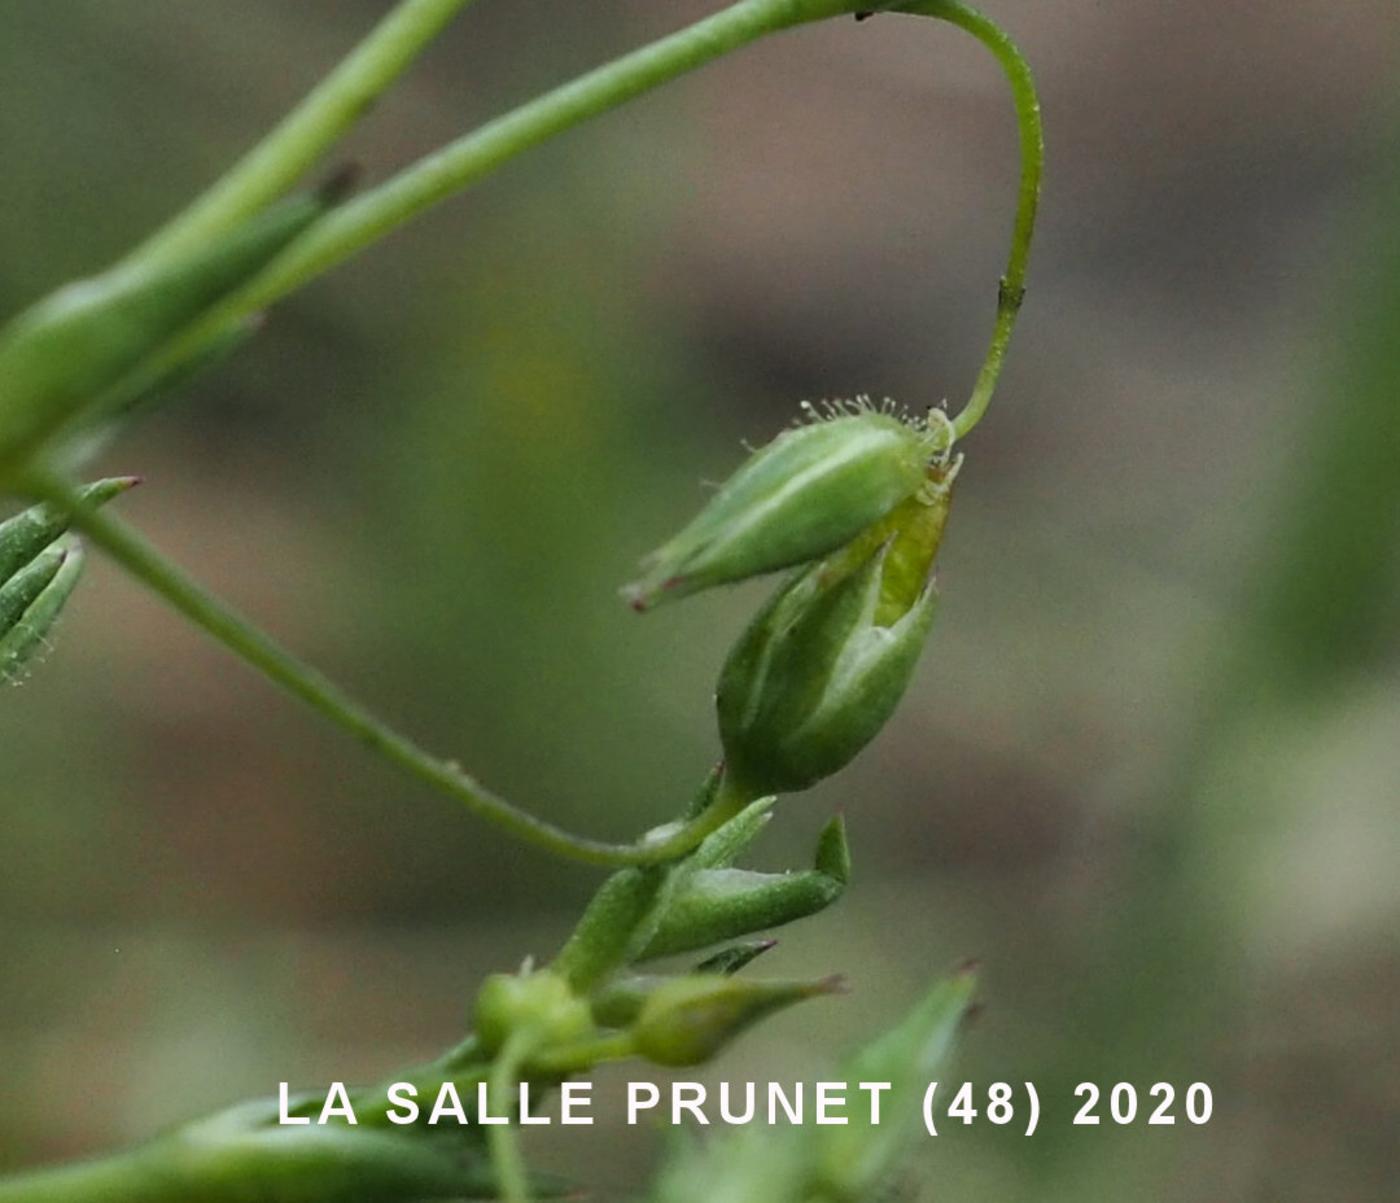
{"x":811,"y":490}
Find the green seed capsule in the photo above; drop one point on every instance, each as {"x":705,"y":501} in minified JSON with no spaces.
{"x":800,"y":697}
{"x":27,"y":636}
{"x":823,"y":666}
{"x":64,"y":353}
{"x":810,"y":491}
{"x":689,"y":1019}
{"x":28,"y":533}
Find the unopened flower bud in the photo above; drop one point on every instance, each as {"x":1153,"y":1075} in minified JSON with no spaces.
{"x":823,"y":666}
{"x":689,"y":1019}
{"x":810,"y":491}
{"x":540,"y":1002}
{"x":618,"y":1003}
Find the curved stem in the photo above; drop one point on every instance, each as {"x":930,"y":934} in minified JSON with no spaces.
{"x":309,"y":130}
{"x":364,"y":220}
{"x":579,"y":1058}
{"x":512,"y":1179}
{"x":260,"y":650}
{"x":375,"y":213}
{"x":1032,"y":138}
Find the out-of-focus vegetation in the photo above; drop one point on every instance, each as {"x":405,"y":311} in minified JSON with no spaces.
{"x":1149,"y":772}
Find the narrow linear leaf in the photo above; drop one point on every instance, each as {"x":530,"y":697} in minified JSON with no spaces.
{"x":854,"y":1160}
{"x":28,"y":533}
{"x":29,"y":635}
{"x":23,"y":589}
{"x":729,"y":961}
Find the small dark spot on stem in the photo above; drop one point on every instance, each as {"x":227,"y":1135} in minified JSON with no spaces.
{"x":1009,"y":298}
{"x":340,"y":183}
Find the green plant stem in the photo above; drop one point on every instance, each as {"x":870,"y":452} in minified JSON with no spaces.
{"x":225,"y":1159}
{"x":373,"y":215}
{"x":377,"y":212}
{"x":127,"y":1176}
{"x":1012,"y":291}
{"x":369,"y":217}
{"x":512,"y":1178}
{"x":261,"y":651}
{"x":579,"y":1058}
{"x":309,"y":130}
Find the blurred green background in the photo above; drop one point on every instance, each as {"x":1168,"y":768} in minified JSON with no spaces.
{"x":1149,"y":771}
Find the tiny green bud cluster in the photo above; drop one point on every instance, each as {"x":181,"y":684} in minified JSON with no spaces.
{"x":539,"y":1002}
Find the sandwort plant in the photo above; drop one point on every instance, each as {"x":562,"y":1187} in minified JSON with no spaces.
{"x":849,"y":504}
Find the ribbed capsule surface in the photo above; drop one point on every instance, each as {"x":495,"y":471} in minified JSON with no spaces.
{"x":822,"y":667}
{"x":805,"y":494}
